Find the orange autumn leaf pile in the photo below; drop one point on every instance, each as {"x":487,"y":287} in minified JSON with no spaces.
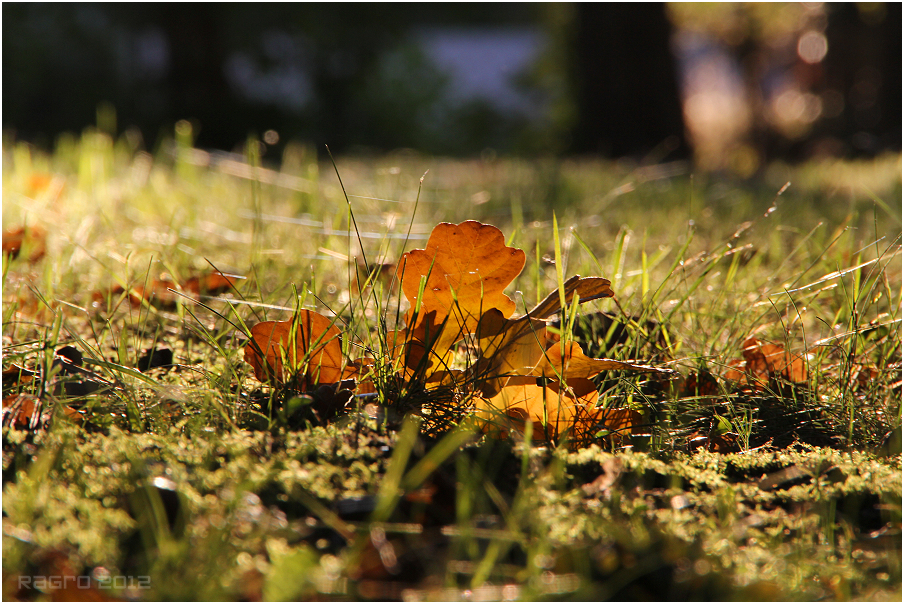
{"x":456,"y":289}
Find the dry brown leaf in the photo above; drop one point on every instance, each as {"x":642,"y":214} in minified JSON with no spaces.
{"x":157,"y":292}
{"x":467,"y":267}
{"x":508,"y":347}
{"x":621,"y":421}
{"x":569,"y":361}
{"x":422,"y":349}
{"x":586,"y":288}
{"x":764,"y":361}
{"x":211,"y":284}
{"x":552,"y":409}
{"x":451,"y":380}
{"x":28,"y":412}
{"x":310,"y":345}
{"x":792,"y":367}
{"x":735,"y":371}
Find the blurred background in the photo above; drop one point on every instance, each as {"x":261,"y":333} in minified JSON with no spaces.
{"x":730,"y":86}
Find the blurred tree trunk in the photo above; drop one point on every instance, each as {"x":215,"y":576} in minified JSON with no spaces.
{"x":196,"y":82}
{"x":863,"y":64}
{"x":626,"y":83}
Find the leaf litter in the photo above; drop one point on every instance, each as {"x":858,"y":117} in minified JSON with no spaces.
{"x":455,"y":286}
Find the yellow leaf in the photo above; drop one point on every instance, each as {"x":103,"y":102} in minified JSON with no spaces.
{"x":507,"y":347}
{"x":555,"y":411}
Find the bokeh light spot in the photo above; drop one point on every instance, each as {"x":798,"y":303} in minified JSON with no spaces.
{"x":812,"y":47}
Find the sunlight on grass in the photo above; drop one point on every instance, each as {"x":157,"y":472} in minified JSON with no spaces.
{"x":755,"y":466}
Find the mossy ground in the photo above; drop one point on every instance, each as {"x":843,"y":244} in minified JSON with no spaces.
{"x":249,"y":514}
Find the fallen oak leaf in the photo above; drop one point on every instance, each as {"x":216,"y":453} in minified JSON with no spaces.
{"x":423,"y":348}
{"x":763,"y":362}
{"x":586,"y":288}
{"x":556,"y":411}
{"x":552,"y":409}
{"x":621,"y":421}
{"x":467,"y":266}
{"x":508,"y":346}
{"x":792,"y":367}
{"x":447,"y":378}
{"x":211,"y":283}
{"x":310,"y":344}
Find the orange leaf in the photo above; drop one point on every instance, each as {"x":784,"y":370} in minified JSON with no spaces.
{"x":310,"y":345}
{"x":422,"y":349}
{"x":792,"y":367}
{"x":211,"y":284}
{"x":555,"y":410}
{"x":33,"y":238}
{"x":467,"y":266}
{"x":735,"y":372}
{"x":515,"y":346}
{"x":763,"y":361}
{"x":621,"y":420}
